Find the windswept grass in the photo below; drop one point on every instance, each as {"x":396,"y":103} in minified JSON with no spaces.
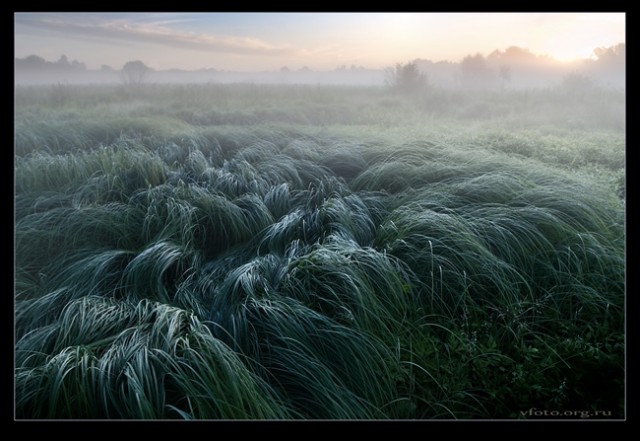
{"x":171,"y":270}
{"x":108,"y":359}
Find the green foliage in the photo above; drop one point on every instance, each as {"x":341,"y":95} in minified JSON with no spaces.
{"x":349,"y":272}
{"x":109,"y":359}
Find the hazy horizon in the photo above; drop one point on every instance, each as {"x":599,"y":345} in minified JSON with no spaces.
{"x":254,"y":42}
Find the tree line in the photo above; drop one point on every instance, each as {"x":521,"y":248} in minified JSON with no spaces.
{"x":513,"y":67}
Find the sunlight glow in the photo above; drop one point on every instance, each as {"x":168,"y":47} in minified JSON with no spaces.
{"x":267,"y":41}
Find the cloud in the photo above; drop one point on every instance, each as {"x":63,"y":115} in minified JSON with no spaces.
{"x":122,"y":29}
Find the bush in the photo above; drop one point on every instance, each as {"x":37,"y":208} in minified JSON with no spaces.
{"x":576,"y":84}
{"x":406,"y":78}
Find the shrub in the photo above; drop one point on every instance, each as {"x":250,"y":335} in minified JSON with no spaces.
{"x":406,"y":78}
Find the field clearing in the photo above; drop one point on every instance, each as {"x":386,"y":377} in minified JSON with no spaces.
{"x":268,"y":252}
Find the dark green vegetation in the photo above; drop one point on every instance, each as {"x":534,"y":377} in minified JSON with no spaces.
{"x":266,"y":252}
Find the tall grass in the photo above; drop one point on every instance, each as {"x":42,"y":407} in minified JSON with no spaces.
{"x":205,"y":273}
{"x":109,"y":359}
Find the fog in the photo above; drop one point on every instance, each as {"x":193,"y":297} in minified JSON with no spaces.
{"x":512,"y":68}
{"x":360,"y":76}
{"x":314,"y":223}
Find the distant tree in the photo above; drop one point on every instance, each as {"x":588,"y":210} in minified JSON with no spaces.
{"x":134,"y":72}
{"x":63,"y":61}
{"x":62,"y":65}
{"x":406,"y":78}
{"x":31,"y":62}
{"x":611,"y":55}
{"x":512,"y":54}
{"x":609,"y":65}
{"x":75,"y":64}
{"x":505,"y":75}
{"x":475,"y":71}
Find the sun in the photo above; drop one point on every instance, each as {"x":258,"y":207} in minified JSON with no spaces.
{"x":568,"y":55}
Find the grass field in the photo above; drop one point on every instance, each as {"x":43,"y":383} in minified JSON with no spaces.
{"x":252,"y":252}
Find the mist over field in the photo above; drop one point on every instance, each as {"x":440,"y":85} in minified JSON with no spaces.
{"x":511,"y":68}
{"x":406,"y":239}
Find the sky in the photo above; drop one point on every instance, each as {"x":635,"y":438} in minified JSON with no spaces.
{"x":320,"y":41}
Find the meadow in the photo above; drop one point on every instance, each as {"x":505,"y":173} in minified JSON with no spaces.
{"x":318,"y":252}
